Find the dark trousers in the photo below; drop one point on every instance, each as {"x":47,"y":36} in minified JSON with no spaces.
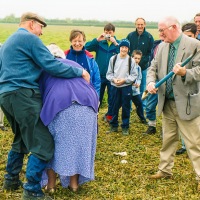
{"x":35,"y":167}
{"x":121,"y":98}
{"x":139,"y":106}
{"x":22,"y":109}
{"x":105,"y":83}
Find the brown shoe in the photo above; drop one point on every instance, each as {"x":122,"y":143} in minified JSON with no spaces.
{"x":160,"y":175}
{"x":198,"y":187}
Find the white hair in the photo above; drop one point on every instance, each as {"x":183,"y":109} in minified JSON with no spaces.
{"x":170,"y":20}
{"x":56,"y":51}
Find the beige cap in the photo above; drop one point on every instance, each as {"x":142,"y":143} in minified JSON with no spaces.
{"x":32,"y":16}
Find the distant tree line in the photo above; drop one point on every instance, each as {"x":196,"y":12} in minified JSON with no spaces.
{"x":79,"y":22}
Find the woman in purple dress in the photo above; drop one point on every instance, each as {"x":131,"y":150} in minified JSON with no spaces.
{"x":70,"y":108}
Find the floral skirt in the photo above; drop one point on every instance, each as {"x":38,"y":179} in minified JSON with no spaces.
{"x":75,"y":133}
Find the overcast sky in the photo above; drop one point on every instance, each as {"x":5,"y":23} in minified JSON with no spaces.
{"x":110,"y":10}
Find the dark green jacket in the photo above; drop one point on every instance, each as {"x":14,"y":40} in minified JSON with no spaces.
{"x":103,"y":53}
{"x":143,"y":42}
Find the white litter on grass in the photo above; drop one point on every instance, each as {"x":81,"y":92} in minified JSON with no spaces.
{"x":121,"y":153}
{"x":124,"y":161}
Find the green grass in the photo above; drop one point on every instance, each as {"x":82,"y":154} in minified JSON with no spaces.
{"x":60,"y":34}
{"x":117,"y":181}
{"x":114,"y":180}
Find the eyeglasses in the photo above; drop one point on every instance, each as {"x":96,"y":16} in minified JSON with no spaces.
{"x":42,"y":26}
{"x":162,"y":30}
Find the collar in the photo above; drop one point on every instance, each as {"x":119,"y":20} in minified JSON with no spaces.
{"x":177,"y":41}
{"x":77,"y":52}
{"x":22,"y":29}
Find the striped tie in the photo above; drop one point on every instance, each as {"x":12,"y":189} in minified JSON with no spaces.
{"x":169,"y":69}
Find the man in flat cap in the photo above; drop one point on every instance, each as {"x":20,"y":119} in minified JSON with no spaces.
{"x":32,"y":16}
{"x":22,"y":58}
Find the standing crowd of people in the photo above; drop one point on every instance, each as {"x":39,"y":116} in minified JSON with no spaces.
{"x":51,"y":98}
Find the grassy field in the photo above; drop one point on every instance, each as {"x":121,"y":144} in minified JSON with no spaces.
{"x":113,"y":179}
{"x":60,"y":34}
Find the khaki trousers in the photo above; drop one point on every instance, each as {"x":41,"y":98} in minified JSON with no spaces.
{"x":1,"y":118}
{"x":190,"y":131}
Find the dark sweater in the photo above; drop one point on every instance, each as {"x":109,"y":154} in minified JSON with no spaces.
{"x":143,"y":42}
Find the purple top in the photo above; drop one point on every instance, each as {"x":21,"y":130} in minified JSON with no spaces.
{"x":59,"y":93}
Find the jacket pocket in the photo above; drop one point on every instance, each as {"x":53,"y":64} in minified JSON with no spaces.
{"x":193,"y":107}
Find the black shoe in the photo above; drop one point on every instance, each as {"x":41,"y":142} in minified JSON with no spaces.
{"x":112,"y":129}
{"x":3,"y":128}
{"x":125,"y":131}
{"x":151,"y":130}
{"x":11,"y":185}
{"x":27,"y":195}
{"x":143,"y":121}
{"x":180,"y":151}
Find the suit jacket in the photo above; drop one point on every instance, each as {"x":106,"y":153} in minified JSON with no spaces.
{"x":186,"y":91}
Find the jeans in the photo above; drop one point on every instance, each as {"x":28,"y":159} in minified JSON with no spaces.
{"x":35,"y":167}
{"x":183,"y":143}
{"x":14,"y":164}
{"x":106,"y":83}
{"x":139,"y":107}
{"x":34,"y":170}
{"x":121,"y":98}
{"x":182,"y":140}
{"x":143,"y":86}
{"x":152,"y":101}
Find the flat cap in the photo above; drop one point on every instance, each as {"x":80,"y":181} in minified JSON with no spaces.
{"x":32,"y":16}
